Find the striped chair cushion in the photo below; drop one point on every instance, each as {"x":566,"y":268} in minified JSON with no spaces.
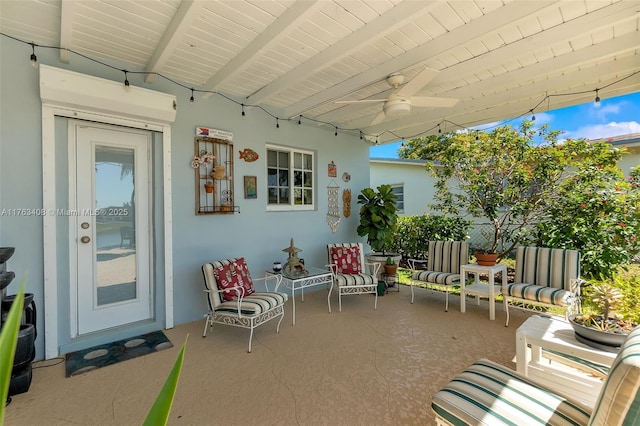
{"x":344,"y":280}
{"x":436,"y":277}
{"x":536,"y":293}
{"x":447,"y":256}
{"x":547,"y":267}
{"x":490,"y":394}
{"x":619,"y":399}
{"x":255,"y":304}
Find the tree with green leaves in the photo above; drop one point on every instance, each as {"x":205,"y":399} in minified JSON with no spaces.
{"x":519,"y":180}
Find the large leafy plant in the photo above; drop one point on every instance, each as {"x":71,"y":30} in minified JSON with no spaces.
{"x":378,"y":216}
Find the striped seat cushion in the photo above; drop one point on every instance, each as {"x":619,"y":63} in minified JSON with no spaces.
{"x":619,"y":399}
{"x":537,"y":293}
{"x":490,"y":394}
{"x":255,"y":304}
{"x":344,"y":280}
{"x":436,"y":277}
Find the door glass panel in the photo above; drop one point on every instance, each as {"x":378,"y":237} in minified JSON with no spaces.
{"x":115,"y":225}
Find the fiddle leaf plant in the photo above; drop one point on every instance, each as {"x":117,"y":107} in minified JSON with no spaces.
{"x":378,"y":217}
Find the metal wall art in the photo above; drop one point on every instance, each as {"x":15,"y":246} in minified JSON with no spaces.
{"x":333,"y":213}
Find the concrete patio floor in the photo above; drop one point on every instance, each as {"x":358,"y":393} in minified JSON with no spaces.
{"x":355,"y":367}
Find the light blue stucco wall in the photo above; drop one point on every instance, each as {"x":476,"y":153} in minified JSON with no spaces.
{"x":418,"y":184}
{"x":254,"y":233}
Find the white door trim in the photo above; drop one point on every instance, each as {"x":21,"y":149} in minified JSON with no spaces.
{"x":82,"y":106}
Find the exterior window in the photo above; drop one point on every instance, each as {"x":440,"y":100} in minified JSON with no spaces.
{"x":399,"y":191}
{"x":290,"y":179}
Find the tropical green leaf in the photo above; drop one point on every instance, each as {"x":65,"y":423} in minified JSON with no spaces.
{"x":8,"y":341}
{"x":161,"y":408}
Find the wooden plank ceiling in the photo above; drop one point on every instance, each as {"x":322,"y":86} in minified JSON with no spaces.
{"x":492,"y":59}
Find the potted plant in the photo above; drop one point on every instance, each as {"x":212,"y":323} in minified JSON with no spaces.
{"x":390,"y":267}
{"x":378,"y":220}
{"x":604,"y":330}
{"x":486,"y":255}
{"x":208,"y":186}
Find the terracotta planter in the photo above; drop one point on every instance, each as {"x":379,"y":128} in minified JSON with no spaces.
{"x":486,"y":259}
{"x":390,"y":269}
{"x":208,"y":189}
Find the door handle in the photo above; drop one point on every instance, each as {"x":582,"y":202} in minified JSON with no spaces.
{"x":85,"y":239}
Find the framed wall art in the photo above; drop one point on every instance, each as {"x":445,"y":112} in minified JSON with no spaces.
{"x":250,"y":187}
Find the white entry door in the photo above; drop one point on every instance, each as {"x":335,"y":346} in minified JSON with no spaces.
{"x":112,"y":227}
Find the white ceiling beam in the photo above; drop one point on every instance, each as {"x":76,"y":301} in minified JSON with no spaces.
{"x":476,"y":28}
{"x":66,"y":29}
{"x":171,"y":38}
{"x":288,"y":21}
{"x":523,"y":76}
{"x":384,"y":24}
{"x":518,"y":101}
{"x":605,"y":17}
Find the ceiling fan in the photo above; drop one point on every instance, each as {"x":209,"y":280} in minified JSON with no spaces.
{"x":401,"y":99}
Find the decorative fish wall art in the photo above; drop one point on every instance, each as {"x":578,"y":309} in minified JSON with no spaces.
{"x":249,"y":155}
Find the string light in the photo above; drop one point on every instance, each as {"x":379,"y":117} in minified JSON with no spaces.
{"x":191,"y":99}
{"x":299,"y":120}
{"x":547,"y":97}
{"x":533,"y":116}
{"x":336,"y":133}
{"x":34,"y":58}
{"x":127,"y":86}
{"x":277,"y":123}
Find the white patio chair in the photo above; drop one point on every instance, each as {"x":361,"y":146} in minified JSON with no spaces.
{"x":351,"y":274}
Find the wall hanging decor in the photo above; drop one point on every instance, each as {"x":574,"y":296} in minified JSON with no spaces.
{"x":332,"y":169}
{"x":213,"y":165}
{"x":346,"y":177}
{"x":250,"y":187}
{"x":346,"y":202}
{"x":248,"y":155}
{"x":333,"y":209}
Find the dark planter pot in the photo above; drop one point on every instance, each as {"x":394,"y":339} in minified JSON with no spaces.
{"x":6,"y":253}
{"x":381,"y":288}
{"x":25,"y":349}
{"x":603,"y":340}
{"x":20,"y":380}
{"x":486,"y":259}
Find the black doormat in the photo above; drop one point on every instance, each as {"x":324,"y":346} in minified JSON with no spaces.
{"x":102,"y":355}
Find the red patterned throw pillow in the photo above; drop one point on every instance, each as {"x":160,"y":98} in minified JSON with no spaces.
{"x":235,"y":274}
{"x":347,"y":259}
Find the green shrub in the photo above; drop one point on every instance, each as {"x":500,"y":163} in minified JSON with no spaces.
{"x":413,"y":233}
{"x":628,"y":282}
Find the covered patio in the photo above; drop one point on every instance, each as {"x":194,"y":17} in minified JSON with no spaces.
{"x":360,"y":366}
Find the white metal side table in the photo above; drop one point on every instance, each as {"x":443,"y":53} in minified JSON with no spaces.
{"x":301,"y":280}
{"x":481,"y":289}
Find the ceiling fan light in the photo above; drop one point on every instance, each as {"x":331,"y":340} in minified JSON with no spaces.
{"x":396,"y":108}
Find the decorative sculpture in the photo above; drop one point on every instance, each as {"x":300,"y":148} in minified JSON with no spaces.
{"x":293,"y":263}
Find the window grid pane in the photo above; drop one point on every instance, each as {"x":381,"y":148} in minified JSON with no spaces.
{"x":290,"y":178}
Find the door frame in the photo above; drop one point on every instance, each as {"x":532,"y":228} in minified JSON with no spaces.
{"x":74,"y":95}
{"x":72,"y":141}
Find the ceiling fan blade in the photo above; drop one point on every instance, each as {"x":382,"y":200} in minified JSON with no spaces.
{"x":428,"y":101}
{"x":378,"y":119}
{"x":363,"y":101}
{"x":417,"y":82}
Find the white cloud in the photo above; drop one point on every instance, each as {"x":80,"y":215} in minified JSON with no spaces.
{"x":597,"y":131}
{"x":605,"y":109}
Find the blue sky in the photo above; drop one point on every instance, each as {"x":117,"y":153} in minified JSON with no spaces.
{"x":614,"y":117}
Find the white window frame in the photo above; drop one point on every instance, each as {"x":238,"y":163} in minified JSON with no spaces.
{"x":401,"y":186}
{"x":291,"y":206}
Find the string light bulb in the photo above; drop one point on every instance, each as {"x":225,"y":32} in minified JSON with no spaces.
{"x":191,"y":99}
{"x":336,"y":133}
{"x":243,"y":114}
{"x":277,"y":123}
{"x":597,"y":100}
{"x":34,"y":58}
{"x":533,"y":116}
{"x":127,"y":86}
{"x":360,"y":134}
{"x":439,"y":129}
{"x":299,"y":120}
